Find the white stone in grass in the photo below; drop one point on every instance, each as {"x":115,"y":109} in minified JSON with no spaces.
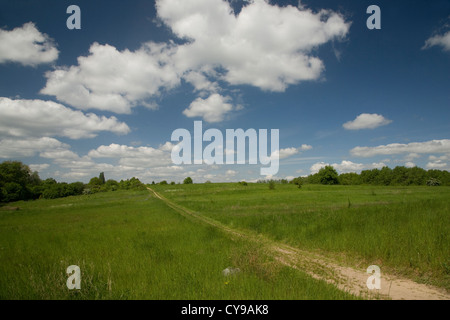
{"x":230,"y":271}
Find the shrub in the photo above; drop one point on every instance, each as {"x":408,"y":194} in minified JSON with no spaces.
{"x":297,"y":181}
{"x":433,"y":182}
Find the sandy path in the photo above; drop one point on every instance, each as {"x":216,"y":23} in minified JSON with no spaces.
{"x":323,"y":268}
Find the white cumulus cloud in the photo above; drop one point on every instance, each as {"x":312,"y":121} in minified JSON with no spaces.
{"x":22,"y":118}
{"x":212,"y":109}
{"x":432,"y":146}
{"x":15,"y":148}
{"x":113,"y":80}
{"x":347,"y":166}
{"x":439,"y":40}
{"x":265,"y":45}
{"x":26,"y":45}
{"x":138,"y":157}
{"x":366,"y":121}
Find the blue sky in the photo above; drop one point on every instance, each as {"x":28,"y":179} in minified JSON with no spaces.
{"x":107,"y":97}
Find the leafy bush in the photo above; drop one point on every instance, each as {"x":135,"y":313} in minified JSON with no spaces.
{"x":433,"y":182}
{"x":297,"y":181}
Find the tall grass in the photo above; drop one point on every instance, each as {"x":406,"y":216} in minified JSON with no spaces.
{"x":402,"y":229}
{"x":130,"y":245}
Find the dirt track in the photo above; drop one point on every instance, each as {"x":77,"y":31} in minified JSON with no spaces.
{"x":320,"y":267}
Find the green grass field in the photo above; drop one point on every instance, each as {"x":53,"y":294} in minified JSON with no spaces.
{"x":131,"y":245}
{"x":404,"y":230}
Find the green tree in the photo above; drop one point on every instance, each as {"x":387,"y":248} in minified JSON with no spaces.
{"x":350,"y":178}
{"x":369,"y":176}
{"x":34,"y":179}
{"x":76,"y":188}
{"x":112,"y":185}
{"x":328,"y":175}
{"x":417,"y":176}
{"x":102,"y":177}
{"x":188,"y":180}
{"x":49,"y":181}
{"x":297,"y":181}
{"x":3,"y":194}
{"x":400,"y":176}
{"x":15,"y":171}
{"x":16,"y":180}
{"x":271,"y":185}
{"x":14,"y":192}
{"x":384,"y":177}
{"x":53,"y":191}
{"x":95,"y":181}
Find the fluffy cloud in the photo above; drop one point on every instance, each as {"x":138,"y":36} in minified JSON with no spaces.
{"x":288,"y":152}
{"x":201,"y":81}
{"x":346,"y":166}
{"x":114,"y":80}
{"x":212,"y":109}
{"x":26,"y":45}
{"x":433,"y":146}
{"x":22,"y":118}
{"x":80,"y":166}
{"x":439,"y":40}
{"x":444,"y":158}
{"x":138,"y":157}
{"x":439,"y":163}
{"x":16,"y":148}
{"x":305,"y":147}
{"x":264,"y":45}
{"x":285,"y":153}
{"x":366,"y":121}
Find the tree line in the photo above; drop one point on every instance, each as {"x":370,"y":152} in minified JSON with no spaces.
{"x":399,"y":176}
{"x":18,"y":182}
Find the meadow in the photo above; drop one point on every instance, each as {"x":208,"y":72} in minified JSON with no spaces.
{"x":130,"y":245}
{"x":404,"y":230}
